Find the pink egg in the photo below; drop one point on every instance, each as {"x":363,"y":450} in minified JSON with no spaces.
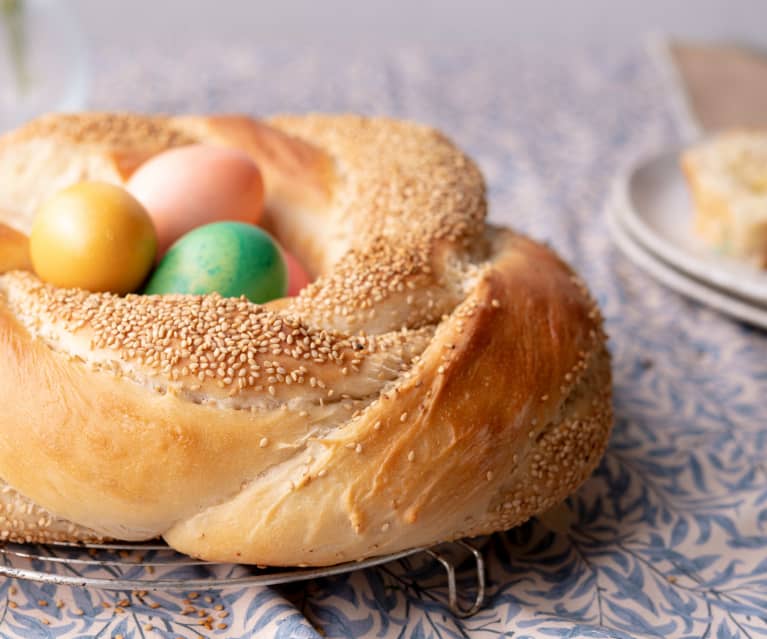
{"x":297,"y":277}
{"x":192,"y":186}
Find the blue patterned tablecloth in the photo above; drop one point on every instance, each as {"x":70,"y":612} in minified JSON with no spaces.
{"x":669,"y":538}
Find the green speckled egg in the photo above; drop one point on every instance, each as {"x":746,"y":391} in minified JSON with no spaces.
{"x":229,"y":258}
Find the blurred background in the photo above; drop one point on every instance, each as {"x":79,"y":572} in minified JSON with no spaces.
{"x":53,"y":61}
{"x":387,"y":23}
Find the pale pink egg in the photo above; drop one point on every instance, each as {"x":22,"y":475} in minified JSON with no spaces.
{"x":192,"y":186}
{"x":297,"y":277}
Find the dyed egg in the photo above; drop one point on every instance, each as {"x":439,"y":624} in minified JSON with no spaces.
{"x":229,"y":258}
{"x":196,"y":185}
{"x":297,"y":277}
{"x":94,"y":236}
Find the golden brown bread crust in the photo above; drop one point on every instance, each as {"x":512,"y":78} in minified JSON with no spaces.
{"x":14,"y":250}
{"x":440,"y":378}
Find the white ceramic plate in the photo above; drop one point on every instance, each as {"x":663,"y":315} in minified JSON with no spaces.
{"x":654,"y":205}
{"x":679,"y":281}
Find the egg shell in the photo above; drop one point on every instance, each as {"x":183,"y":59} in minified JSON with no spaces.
{"x":192,"y":186}
{"x":228,"y":258}
{"x":94,"y":236}
{"x":297,"y":276}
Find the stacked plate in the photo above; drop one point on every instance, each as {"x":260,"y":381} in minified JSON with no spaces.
{"x":650,"y":219}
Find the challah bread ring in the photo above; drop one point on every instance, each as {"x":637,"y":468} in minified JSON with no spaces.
{"x":440,"y":378}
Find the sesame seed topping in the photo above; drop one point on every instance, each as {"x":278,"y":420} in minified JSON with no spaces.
{"x":349,"y":339}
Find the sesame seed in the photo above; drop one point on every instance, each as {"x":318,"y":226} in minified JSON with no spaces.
{"x":415,"y":188}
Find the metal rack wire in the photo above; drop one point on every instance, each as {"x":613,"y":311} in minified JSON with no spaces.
{"x":155,"y":566}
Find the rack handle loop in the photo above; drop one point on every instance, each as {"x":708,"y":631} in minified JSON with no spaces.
{"x":449,"y":566}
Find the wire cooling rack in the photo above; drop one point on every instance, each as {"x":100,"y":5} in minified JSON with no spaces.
{"x":155,"y":566}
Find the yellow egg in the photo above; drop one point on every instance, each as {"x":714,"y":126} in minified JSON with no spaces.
{"x":94,"y":236}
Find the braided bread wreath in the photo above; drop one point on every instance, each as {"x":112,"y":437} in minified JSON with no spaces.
{"x":440,"y":378}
